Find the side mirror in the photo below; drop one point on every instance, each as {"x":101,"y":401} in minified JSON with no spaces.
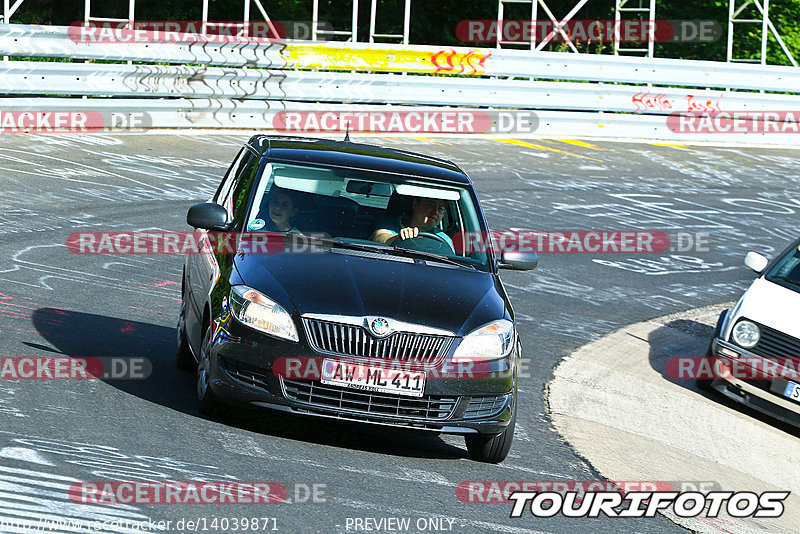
{"x":208,"y":216}
{"x":519,"y":261}
{"x":756,"y":261}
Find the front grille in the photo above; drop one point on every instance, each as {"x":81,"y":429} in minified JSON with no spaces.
{"x":485,"y":406}
{"x":354,"y":340}
{"x":776,"y":344}
{"x":255,"y":376}
{"x":367,"y":403}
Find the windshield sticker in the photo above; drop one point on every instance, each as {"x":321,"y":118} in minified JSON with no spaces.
{"x":256,"y":224}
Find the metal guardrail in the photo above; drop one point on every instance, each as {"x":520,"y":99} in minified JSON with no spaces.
{"x":260,"y":115}
{"x":150,"y":81}
{"x":243,"y":85}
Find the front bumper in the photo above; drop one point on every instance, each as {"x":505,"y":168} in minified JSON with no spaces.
{"x":242,"y":372}
{"x":762,"y":395}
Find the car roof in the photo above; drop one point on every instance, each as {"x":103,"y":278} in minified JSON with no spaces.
{"x":357,"y":155}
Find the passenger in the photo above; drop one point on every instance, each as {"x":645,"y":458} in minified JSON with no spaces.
{"x":426,"y":215}
{"x":282,"y":208}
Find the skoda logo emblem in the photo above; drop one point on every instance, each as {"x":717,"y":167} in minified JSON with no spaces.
{"x":380,"y":327}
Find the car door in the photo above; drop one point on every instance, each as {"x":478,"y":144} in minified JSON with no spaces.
{"x":213,"y":267}
{"x":198,"y":266}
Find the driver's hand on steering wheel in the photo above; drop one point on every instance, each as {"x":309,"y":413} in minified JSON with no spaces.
{"x":408,"y":233}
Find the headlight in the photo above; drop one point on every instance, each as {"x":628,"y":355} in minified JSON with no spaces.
{"x":746,"y":334}
{"x":489,"y":342}
{"x":257,"y":311}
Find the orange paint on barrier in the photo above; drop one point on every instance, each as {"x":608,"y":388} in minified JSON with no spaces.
{"x":452,"y":62}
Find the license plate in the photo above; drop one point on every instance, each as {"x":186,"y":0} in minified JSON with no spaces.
{"x":370,"y":378}
{"x":792,"y":391}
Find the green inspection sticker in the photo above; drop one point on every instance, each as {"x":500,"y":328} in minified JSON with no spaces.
{"x":256,"y":224}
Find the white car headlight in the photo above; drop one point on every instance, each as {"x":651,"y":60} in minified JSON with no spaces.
{"x":489,"y":342}
{"x":746,"y":334}
{"x":262,"y":313}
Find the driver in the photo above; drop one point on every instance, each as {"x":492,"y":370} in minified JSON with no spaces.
{"x":425,"y":216}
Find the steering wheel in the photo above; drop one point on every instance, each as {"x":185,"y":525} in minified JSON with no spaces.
{"x":414,"y":243}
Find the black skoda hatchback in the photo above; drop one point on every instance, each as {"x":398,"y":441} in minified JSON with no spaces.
{"x":345,"y":318}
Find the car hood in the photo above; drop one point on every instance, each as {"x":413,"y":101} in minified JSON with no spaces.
{"x":345,"y":282}
{"x":771,"y":305}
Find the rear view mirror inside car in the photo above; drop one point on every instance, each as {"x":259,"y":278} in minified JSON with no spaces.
{"x":361,"y":187}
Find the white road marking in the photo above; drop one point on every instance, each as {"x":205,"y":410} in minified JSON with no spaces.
{"x":31,"y":500}
{"x":24,"y":454}
{"x":247,"y":446}
{"x":56,"y":176}
{"x":72,"y":275}
{"x":520,"y":433}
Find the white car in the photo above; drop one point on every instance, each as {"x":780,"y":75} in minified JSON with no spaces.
{"x":756,"y":345}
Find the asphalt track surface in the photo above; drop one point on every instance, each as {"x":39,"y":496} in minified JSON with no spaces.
{"x":55,"y":433}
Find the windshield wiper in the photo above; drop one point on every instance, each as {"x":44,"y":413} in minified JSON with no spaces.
{"x":400,"y":251}
{"x":351,"y":246}
{"x":385,"y":249}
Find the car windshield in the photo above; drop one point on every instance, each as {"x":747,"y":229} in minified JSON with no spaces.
{"x":787,"y":271}
{"x":355,"y":207}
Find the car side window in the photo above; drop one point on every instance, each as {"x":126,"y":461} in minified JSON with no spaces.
{"x":225,"y":184}
{"x":242,"y":187}
{"x":229,"y":193}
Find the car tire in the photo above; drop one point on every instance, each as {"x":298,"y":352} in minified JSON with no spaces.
{"x":491,"y":449}
{"x":704,"y":384}
{"x":207,"y":401}
{"x":184,"y":360}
